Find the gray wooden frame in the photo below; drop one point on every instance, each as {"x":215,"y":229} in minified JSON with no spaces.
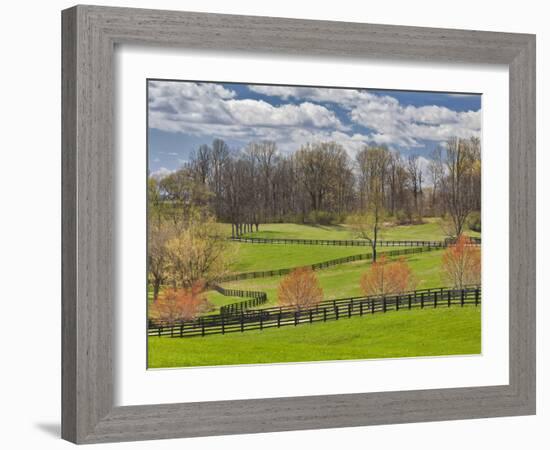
{"x":89,"y":36}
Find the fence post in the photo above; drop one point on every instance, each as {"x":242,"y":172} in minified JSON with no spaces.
{"x":462,"y":297}
{"x":295,"y":318}
{"x":448,"y":299}
{"x":397,"y":302}
{"x":410,"y":301}
{"x":279,"y":320}
{"x":422,"y":300}
{"x":361,"y":308}
{"x":435,"y":300}
{"x":160,"y":330}
{"x":324,"y":314}
{"x":384,"y":304}
{"x":372,"y":306}
{"x":310,"y":316}
{"x":477,"y":296}
{"x":172,"y":330}
{"x":242,"y":322}
{"x":181,"y":330}
{"x":202,"y":330}
{"x":336,"y":311}
{"x":349,"y":309}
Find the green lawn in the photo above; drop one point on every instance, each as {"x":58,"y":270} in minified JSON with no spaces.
{"x":255,"y":257}
{"x":430,"y":230}
{"x":343,"y":280}
{"x":427,"y":332}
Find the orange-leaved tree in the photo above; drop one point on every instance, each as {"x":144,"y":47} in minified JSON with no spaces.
{"x":461,"y":263}
{"x":174,"y":305}
{"x":386,"y":277}
{"x":300,"y":289}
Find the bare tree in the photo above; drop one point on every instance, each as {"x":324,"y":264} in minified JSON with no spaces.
{"x":437,"y":172}
{"x":457,"y":185}
{"x":368,"y":223}
{"x":264,"y":156}
{"x":318,"y":165}
{"x":415,"y":175}
{"x":219,"y":157}
{"x":201,"y":162}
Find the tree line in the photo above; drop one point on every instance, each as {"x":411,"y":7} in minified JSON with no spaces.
{"x":321,"y":183}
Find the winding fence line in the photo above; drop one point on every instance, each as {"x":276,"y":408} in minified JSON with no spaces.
{"x":256,"y":298}
{"x":325,"y":264}
{"x":327,"y":310}
{"x":350,"y":242}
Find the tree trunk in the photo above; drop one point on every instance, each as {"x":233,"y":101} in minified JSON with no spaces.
{"x":156,"y":290}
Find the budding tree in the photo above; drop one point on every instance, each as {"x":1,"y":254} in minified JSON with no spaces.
{"x":386,"y":277}
{"x":461,"y":263}
{"x":175,"y":305}
{"x":300,"y":289}
{"x":198,"y":253}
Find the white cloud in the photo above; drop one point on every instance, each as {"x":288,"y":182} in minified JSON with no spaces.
{"x":391,"y":122}
{"x":209,"y":109}
{"x":201,"y":109}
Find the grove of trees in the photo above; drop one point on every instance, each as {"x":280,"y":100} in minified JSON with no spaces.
{"x":321,"y":183}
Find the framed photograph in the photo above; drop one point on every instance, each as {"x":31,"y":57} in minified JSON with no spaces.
{"x":268,"y":230}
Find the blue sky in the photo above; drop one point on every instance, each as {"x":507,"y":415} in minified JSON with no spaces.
{"x":184,"y":115}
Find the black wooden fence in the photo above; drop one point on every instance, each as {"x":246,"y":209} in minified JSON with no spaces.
{"x":350,"y":242}
{"x":327,"y":310}
{"x":255,"y":298}
{"x":326,"y":264}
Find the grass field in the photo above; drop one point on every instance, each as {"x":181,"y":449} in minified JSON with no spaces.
{"x":338,"y":281}
{"x":343,"y":280}
{"x":430,"y":230}
{"x":426,"y":332}
{"x":255,"y":257}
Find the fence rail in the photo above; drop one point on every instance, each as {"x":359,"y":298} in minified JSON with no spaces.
{"x":325,"y":264}
{"x":327,"y":310}
{"x":350,"y":242}
{"x":255,"y":298}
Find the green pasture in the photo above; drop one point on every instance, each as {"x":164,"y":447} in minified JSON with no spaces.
{"x":338,"y":281}
{"x":430,"y":230}
{"x":395,"y":334}
{"x":343,"y":280}
{"x":248,"y":257}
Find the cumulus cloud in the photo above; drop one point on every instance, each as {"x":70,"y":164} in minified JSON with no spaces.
{"x":197,"y":109}
{"x":391,"y":122}
{"x":351,"y":117}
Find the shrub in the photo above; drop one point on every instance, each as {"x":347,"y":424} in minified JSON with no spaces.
{"x":300,"y":289}
{"x":324,"y":218}
{"x":403,"y":217}
{"x":462,"y":263}
{"x":174,"y":305}
{"x":385,"y":278}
